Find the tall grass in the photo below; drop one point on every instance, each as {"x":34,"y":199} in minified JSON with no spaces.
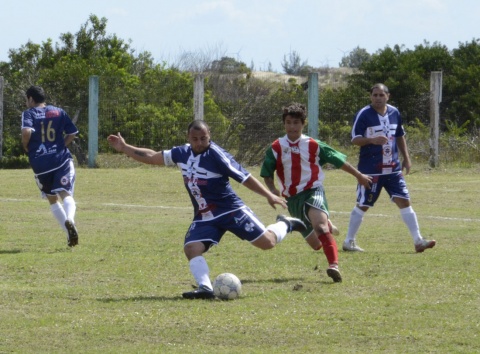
{"x":119,"y":291}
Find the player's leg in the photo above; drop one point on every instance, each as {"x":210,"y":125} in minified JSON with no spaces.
{"x":397,"y":188}
{"x":45,"y":184}
{"x":199,"y":238}
{"x":365,"y":199}
{"x":319,"y":220}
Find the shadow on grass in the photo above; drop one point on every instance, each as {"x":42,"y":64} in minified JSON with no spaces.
{"x":10,"y":251}
{"x":141,"y":298}
{"x":273,"y":280}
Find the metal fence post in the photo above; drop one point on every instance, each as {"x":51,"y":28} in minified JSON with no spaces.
{"x":1,"y":117}
{"x":198,"y":97}
{"x":92,"y":121}
{"x":313,"y":105}
{"x":435,"y":99}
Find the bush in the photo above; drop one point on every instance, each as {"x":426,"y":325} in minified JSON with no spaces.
{"x":14,"y":162}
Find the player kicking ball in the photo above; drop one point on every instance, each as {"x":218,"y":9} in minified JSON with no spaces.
{"x":206,"y":169}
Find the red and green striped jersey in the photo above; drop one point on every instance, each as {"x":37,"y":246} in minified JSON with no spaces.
{"x":299,"y":163}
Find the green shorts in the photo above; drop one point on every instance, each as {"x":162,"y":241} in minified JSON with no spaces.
{"x":299,"y":205}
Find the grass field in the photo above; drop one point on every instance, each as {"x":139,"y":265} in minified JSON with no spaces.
{"x":119,"y":291}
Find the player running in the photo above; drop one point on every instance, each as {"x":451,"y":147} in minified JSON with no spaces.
{"x":46,"y":132}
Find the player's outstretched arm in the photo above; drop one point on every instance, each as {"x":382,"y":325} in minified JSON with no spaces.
{"x":254,"y":184}
{"x":270,"y":183}
{"x":147,"y":156}
{"x":362,"y":179}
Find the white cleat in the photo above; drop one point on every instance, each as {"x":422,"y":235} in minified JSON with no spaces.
{"x":351,"y":246}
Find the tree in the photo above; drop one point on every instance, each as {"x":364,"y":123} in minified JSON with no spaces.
{"x":293,"y":65}
{"x":355,"y":59}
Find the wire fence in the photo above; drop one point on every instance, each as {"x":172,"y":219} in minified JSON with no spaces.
{"x":244,"y":113}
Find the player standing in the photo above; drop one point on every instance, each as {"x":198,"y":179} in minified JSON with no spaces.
{"x":379,"y":132}
{"x":46,"y":132}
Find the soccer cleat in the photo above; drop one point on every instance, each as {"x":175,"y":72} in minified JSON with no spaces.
{"x":72,"y":233}
{"x":334,"y":273}
{"x":422,"y":246}
{"x":333,"y":229}
{"x":351,"y":246}
{"x":293,"y":224}
{"x":202,"y":292}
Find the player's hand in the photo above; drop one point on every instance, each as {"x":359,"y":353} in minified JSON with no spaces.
{"x":274,"y":199}
{"x":116,"y":141}
{"x":379,"y":140}
{"x":406,"y":165}
{"x":365,"y":181}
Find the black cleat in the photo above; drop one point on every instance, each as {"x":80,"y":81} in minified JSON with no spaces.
{"x":72,"y":233}
{"x":201,"y":293}
{"x":293,"y":224}
{"x":335,"y":274}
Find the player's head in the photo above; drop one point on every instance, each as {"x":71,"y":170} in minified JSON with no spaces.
{"x":36,"y":93}
{"x":381,"y":87}
{"x":379,"y":95}
{"x":198,"y":135}
{"x":294,"y":117}
{"x":295,"y":110}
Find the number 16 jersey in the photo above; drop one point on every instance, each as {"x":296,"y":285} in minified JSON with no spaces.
{"x":46,"y":148}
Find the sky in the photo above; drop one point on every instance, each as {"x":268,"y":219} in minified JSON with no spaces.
{"x":256,"y":32}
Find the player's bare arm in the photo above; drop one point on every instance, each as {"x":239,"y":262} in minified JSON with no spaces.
{"x":254,"y":185}
{"x":362,"y":141}
{"x":143,"y":155}
{"x":402,"y":147}
{"x":26,"y":134}
{"x":270,"y":183}
{"x":362,"y":179}
{"x":69,"y":138}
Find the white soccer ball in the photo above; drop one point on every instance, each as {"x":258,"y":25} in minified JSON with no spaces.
{"x":227,"y":286}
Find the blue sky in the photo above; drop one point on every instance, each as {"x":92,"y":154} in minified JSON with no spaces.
{"x":252,"y":31}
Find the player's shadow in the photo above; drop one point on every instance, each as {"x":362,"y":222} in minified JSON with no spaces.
{"x":15,"y":251}
{"x":271,"y":280}
{"x":140,"y":298}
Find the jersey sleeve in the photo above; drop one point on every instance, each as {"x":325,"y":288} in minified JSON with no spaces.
{"x":331,"y":156}
{"x":27,"y":120}
{"x":269,"y":164}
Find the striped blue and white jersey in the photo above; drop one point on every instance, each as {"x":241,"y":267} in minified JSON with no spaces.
{"x":46,"y":148}
{"x":377,"y":159}
{"x":206,"y":178}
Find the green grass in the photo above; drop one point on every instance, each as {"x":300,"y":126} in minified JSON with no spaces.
{"x":120,"y":290}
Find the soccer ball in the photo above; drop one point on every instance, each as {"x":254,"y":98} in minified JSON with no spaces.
{"x":227,"y":286}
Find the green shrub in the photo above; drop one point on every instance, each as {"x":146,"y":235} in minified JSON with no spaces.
{"x":14,"y":162}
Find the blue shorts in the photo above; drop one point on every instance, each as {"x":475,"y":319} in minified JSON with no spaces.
{"x":394,"y":184}
{"x":243,"y":223}
{"x":61,"y":179}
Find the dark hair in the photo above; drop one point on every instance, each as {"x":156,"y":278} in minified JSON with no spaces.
{"x":381,"y":87}
{"x":36,"y":93}
{"x":295,"y":110}
{"x":197,"y":124}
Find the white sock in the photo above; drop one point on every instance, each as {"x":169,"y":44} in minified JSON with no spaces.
{"x":70,"y":207}
{"x":410,"y":219}
{"x":59,"y":214}
{"x":356,"y":218}
{"x":279,"y":229}
{"x":200,"y":271}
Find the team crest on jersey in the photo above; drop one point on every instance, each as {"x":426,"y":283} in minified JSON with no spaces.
{"x":64,"y":181}
{"x":295,"y":150}
{"x":249,"y":226}
{"x":387,"y":151}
